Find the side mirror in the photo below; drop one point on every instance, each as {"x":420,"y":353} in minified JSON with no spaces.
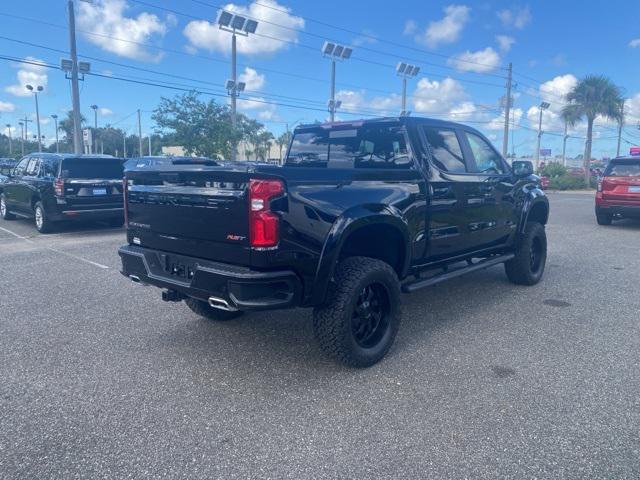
{"x":522,"y":168}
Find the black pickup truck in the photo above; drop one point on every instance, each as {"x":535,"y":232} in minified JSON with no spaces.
{"x":359,"y":212}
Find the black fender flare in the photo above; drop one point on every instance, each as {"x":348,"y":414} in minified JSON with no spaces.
{"x":347,"y":223}
{"x":532,"y":197}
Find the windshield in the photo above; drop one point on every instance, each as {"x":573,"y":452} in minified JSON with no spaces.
{"x":105,"y":168}
{"x":371,"y":146}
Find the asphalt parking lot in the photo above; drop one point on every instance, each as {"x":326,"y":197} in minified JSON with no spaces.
{"x":101,"y":379}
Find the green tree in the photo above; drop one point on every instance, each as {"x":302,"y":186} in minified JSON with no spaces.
{"x":594,"y":95}
{"x":65,"y":126}
{"x":201,"y":127}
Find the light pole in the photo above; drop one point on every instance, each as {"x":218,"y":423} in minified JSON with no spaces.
{"x":334,"y":52}
{"x":405,"y":71}
{"x":236,"y":25}
{"x":35,"y":91}
{"x":10,"y":139}
{"x":95,"y":127}
{"x":543,"y":107}
{"x":55,"y":120}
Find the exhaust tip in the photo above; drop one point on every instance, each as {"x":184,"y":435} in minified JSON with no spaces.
{"x":135,"y":279}
{"x":221,"y":304}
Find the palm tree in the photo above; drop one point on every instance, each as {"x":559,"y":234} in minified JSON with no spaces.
{"x":282,"y":141}
{"x":594,"y":95}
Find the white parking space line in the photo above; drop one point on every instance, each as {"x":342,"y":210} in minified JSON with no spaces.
{"x":71,"y":255}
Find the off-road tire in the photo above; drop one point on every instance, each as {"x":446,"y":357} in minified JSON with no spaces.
{"x":205,"y":310}
{"x":4,"y":212}
{"x":43,"y":224}
{"x":528,"y":265}
{"x":604,"y":219}
{"x":333,"y":322}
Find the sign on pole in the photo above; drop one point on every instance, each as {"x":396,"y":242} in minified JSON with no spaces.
{"x":545,"y":152}
{"x":87,"y":138}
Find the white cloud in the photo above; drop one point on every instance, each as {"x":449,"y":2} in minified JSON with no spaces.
{"x":107,"y":20}
{"x":634,"y":43}
{"x":357,"y":101}
{"x":448,"y":29}
{"x":28,"y":74}
{"x":208,"y":36}
{"x":517,"y":18}
{"x":505,"y":42}
{"x":105,"y":111}
{"x":7,"y":107}
{"x":555,"y":90}
{"x":410,"y":27}
{"x":632,"y":110}
{"x":482,"y":61}
{"x":441,"y":97}
{"x":254,"y":81}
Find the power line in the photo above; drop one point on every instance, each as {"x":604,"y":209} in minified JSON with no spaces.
{"x":326,"y":24}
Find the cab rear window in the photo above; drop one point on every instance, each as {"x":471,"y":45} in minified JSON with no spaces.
{"x":623,"y":169}
{"x":369,"y":146}
{"x":87,"y":168}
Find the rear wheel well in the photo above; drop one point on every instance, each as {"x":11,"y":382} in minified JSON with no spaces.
{"x":539,"y":213}
{"x":380,"y":241}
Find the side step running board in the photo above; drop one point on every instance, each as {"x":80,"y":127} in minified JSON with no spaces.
{"x":448,"y":275}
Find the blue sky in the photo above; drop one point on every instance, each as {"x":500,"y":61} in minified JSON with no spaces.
{"x":461,"y":47}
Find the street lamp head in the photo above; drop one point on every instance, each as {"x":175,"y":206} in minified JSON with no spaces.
{"x":224,"y":19}
{"x":238,"y":22}
{"x":336,"y":51}
{"x":29,"y":87}
{"x":40,"y":88}
{"x":94,"y":107}
{"x":545,"y":105}
{"x":54,"y":116}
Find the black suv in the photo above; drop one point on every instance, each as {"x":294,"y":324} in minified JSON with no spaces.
{"x":54,"y":187}
{"x":359,"y":212}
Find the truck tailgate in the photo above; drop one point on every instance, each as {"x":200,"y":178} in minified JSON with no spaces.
{"x":193,"y":210}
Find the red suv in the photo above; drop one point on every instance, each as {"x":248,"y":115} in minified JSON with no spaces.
{"x":618,"y":194}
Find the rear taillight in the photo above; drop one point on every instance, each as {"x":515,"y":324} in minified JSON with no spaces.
{"x":263,"y":223}
{"x":599,"y":189}
{"x":125,"y":198}
{"x":58,"y":187}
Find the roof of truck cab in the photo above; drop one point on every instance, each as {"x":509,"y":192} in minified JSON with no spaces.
{"x":62,"y":156}
{"x":408,"y":120}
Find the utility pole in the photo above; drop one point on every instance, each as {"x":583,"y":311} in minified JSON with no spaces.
{"x":10,"y":140}
{"x":95,"y":127}
{"x":564,"y":144}
{"x":620,"y":124}
{"x":543,"y":106}
{"x":21,"y":137}
{"x":139,"y":134}
{"x":55,"y":119}
{"x":75,"y":91}
{"x":26,"y":131}
{"x":35,"y":91}
{"x":149,"y":137}
{"x":124,"y":144}
{"x":507,"y":108}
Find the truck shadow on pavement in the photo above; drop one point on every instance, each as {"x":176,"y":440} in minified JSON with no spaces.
{"x":263,"y":343}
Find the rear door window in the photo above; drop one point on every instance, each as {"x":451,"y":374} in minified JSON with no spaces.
{"x":33,"y":167}
{"x":21,"y":167}
{"x":626,"y":169}
{"x":445,"y":149}
{"x":90,"y":168}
